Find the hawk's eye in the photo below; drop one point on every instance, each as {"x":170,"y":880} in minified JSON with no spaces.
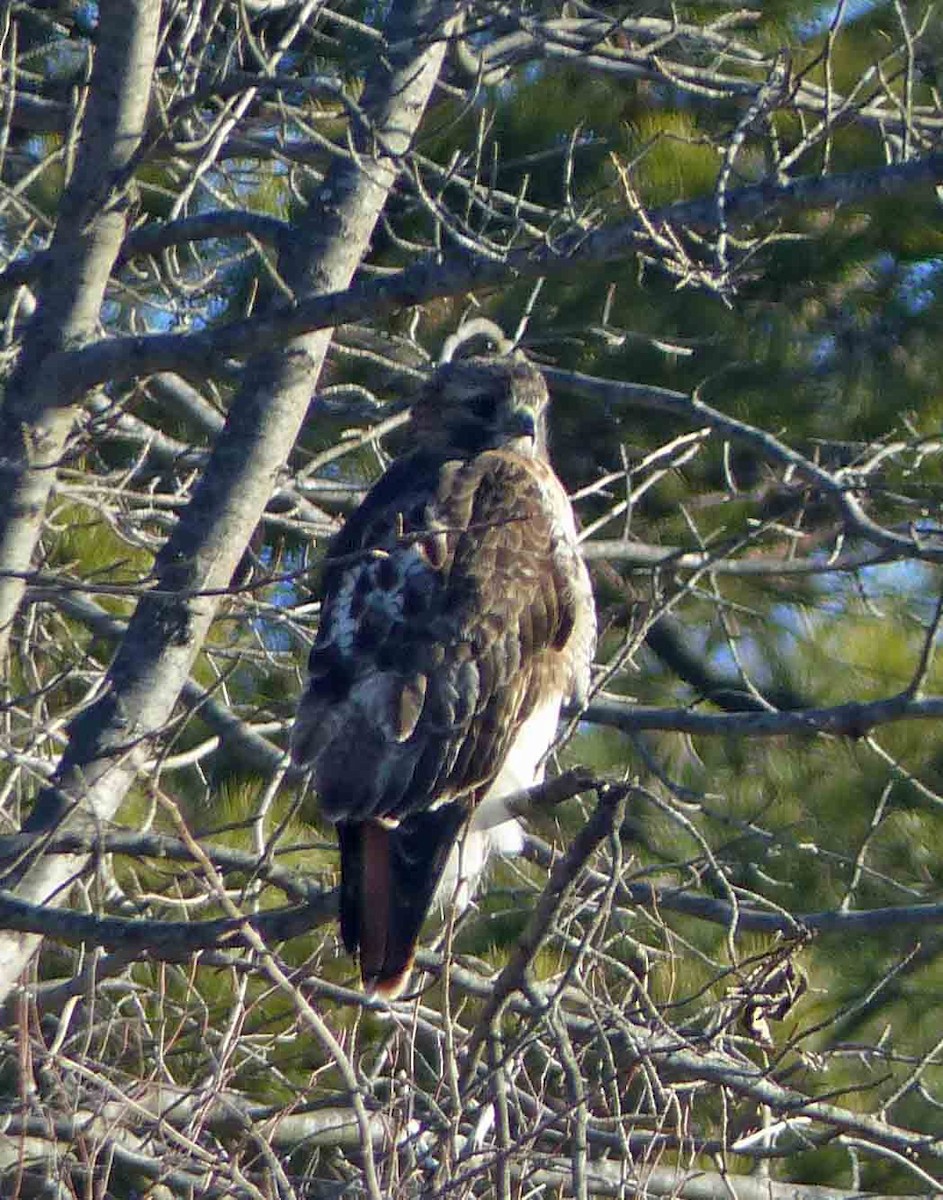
{"x":485,"y":408}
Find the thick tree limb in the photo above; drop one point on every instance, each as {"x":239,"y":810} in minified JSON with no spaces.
{"x":749,"y":917}
{"x":110,"y":740}
{"x":632,"y":553}
{"x":170,"y":940}
{"x":615,"y":1179}
{"x":853,"y":719}
{"x":162,"y":846}
{"x":126,"y":358}
{"x":36,"y":415}
{"x":177,"y":939}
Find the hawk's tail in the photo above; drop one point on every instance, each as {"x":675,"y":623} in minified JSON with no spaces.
{"x":389,"y":876}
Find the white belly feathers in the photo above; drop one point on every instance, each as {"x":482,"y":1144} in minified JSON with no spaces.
{"x":492,"y":827}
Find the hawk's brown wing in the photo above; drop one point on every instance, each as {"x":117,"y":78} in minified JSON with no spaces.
{"x":451,"y":598}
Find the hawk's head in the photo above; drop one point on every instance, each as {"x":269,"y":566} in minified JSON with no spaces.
{"x":477,"y":404}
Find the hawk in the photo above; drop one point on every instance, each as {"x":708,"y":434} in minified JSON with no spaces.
{"x":457,"y":617}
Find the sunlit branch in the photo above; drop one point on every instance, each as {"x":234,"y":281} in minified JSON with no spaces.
{"x":124,"y":358}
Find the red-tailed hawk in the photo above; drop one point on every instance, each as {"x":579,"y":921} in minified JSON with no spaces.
{"x":457,"y":617}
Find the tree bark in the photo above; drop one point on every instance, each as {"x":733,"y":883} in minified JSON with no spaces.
{"x":37,"y":412}
{"x":111,"y":738}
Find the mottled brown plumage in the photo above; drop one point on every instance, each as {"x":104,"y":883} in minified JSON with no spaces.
{"x":457,"y":616}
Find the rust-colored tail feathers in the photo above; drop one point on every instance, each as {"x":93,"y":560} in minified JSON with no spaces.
{"x":389,"y":876}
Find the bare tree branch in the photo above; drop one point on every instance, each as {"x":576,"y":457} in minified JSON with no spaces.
{"x":108,"y":741}
{"x":88,"y":237}
{"x":196,"y":354}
